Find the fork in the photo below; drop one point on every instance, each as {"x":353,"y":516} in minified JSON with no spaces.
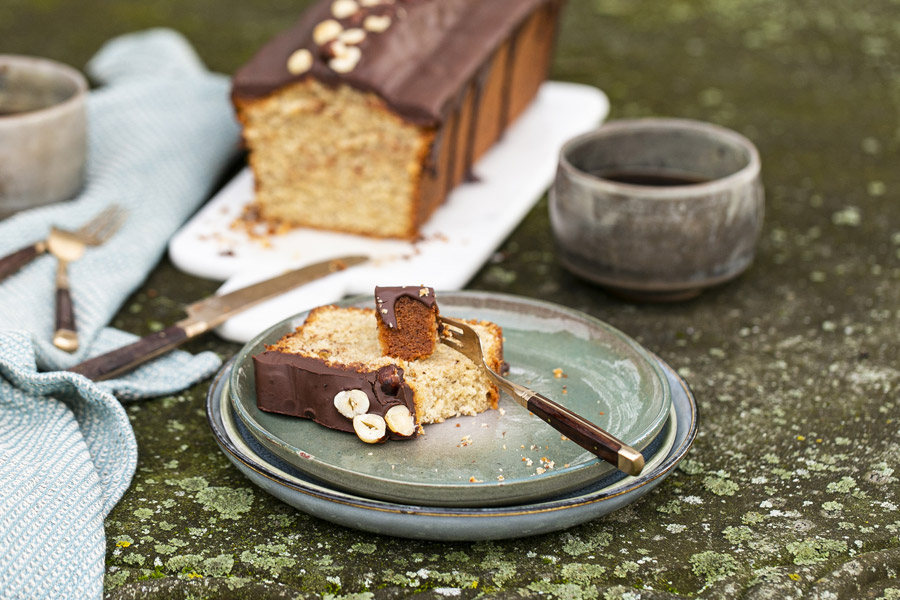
{"x":14,"y":261}
{"x":465,"y":340}
{"x":69,"y":246}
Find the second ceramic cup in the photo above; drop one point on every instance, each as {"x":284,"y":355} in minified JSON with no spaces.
{"x":657,"y":209}
{"x":43,"y":132}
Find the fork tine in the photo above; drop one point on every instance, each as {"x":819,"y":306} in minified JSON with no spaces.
{"x":90,"y":226}
{"x":105,"y":226}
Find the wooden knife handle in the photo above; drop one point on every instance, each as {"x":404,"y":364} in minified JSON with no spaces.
{"x":586,"y":434}
{"x":66,"y":336}
{"x":124,"y":359}
{"x":11,"y":263}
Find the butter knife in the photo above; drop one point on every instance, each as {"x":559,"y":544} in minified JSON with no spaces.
{"x":203,"y":316}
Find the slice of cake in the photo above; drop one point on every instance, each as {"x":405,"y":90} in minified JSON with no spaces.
{"x":366,"y":113}
{"x":332,"y":370}
{"x":407,"y":321}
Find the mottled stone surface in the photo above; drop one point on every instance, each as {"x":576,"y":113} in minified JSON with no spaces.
{"x":790,"y":491}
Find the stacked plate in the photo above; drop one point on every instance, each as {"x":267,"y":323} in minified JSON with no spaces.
{"x":496,"y":475}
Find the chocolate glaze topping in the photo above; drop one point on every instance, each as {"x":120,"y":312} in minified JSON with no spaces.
{"x":431,"y":49}
{"x":300,"y":386}
{"x":386,"y":299}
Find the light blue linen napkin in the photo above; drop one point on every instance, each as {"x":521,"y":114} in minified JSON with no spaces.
{"x":160,"y":132}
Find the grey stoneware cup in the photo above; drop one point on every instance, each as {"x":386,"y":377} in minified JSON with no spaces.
{"x":43,"y":132}
{"x":657,"y":209}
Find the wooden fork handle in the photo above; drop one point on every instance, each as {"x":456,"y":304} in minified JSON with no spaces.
{"x":66,"y":336}
{"x":586,"y":434}
{"x":11,"y":263}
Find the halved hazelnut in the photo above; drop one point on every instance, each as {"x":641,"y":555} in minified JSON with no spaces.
{"x":353,"y":36}
{"x":400,"y":421}
{"x":351,"y":403}
{"x":377,"y":23}
{"x":346,"y":61}
{"x":370,"y":428}
{"x":326,"y":31}
{"x":300,"y":61}
{"x":341,"y":9}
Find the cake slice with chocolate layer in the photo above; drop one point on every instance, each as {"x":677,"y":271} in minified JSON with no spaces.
{"x":407,"y":321}
{"x":332,"y":370}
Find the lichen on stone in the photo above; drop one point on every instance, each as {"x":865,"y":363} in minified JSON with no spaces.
{"x":813,"y":550}
{"x":712,"y":566}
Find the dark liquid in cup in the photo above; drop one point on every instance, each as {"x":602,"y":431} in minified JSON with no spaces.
{"x":651,"y":179}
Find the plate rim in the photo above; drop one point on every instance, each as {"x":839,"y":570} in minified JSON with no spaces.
{"x":471,"y":299}
{"x":675,"y":456}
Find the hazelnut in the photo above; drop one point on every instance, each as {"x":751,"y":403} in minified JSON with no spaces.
{"x":351,"y":403}
{"x":326,"y":31}
{"x":400,"y":420}
{"x":370,"y":428}
{"x":376,"y":23}
{"x":353,"y":36}
{"x":300,"y":61}
{"x":390,"y":378}
{"x":345,"y":61}
{"x":332,"y":49}
{"x":341,"y":9}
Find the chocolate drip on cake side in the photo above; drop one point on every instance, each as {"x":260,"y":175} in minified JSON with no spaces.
{"x":508,"y":71}
{"x":386,"y":300}
{"x":478,"y":83}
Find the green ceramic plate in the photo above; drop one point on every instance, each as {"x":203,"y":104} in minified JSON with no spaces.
{"x":508,"y":456}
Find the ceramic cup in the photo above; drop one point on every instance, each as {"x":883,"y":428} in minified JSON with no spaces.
{"x":657,"y":209}
{"x":43,"y":137}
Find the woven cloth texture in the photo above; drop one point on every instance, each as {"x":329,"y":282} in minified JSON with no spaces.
{"x":160,"y":133}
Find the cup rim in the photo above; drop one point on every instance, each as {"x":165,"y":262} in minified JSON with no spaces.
{"x":63,"y":70}
{"x":744,"y":175}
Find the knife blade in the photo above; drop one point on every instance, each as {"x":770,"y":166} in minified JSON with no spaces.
{"x":205,"y":315}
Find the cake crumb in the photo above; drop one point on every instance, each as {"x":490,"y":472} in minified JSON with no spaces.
{"x":473,"y":480}
{"x":502,"y":411}
{"x":558,"y":373}
{"x":466,"y":440}
{"x":540,"y":471}
{"x":500,"y":477}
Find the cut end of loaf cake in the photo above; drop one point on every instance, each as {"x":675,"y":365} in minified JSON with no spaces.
{"x":337,"y":350}
{"x":333,"y":157}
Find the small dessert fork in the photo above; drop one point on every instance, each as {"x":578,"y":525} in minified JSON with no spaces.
{"x":14,"y":261}
{"x":465,"y":340}
{"x":69,"y":246}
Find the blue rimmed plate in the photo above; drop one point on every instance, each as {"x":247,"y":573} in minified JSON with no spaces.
{"x":499,"y":457}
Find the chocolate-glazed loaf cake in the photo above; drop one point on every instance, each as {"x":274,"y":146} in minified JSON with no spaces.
{"x":331,"y":369}
{"x":366,"y":113}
